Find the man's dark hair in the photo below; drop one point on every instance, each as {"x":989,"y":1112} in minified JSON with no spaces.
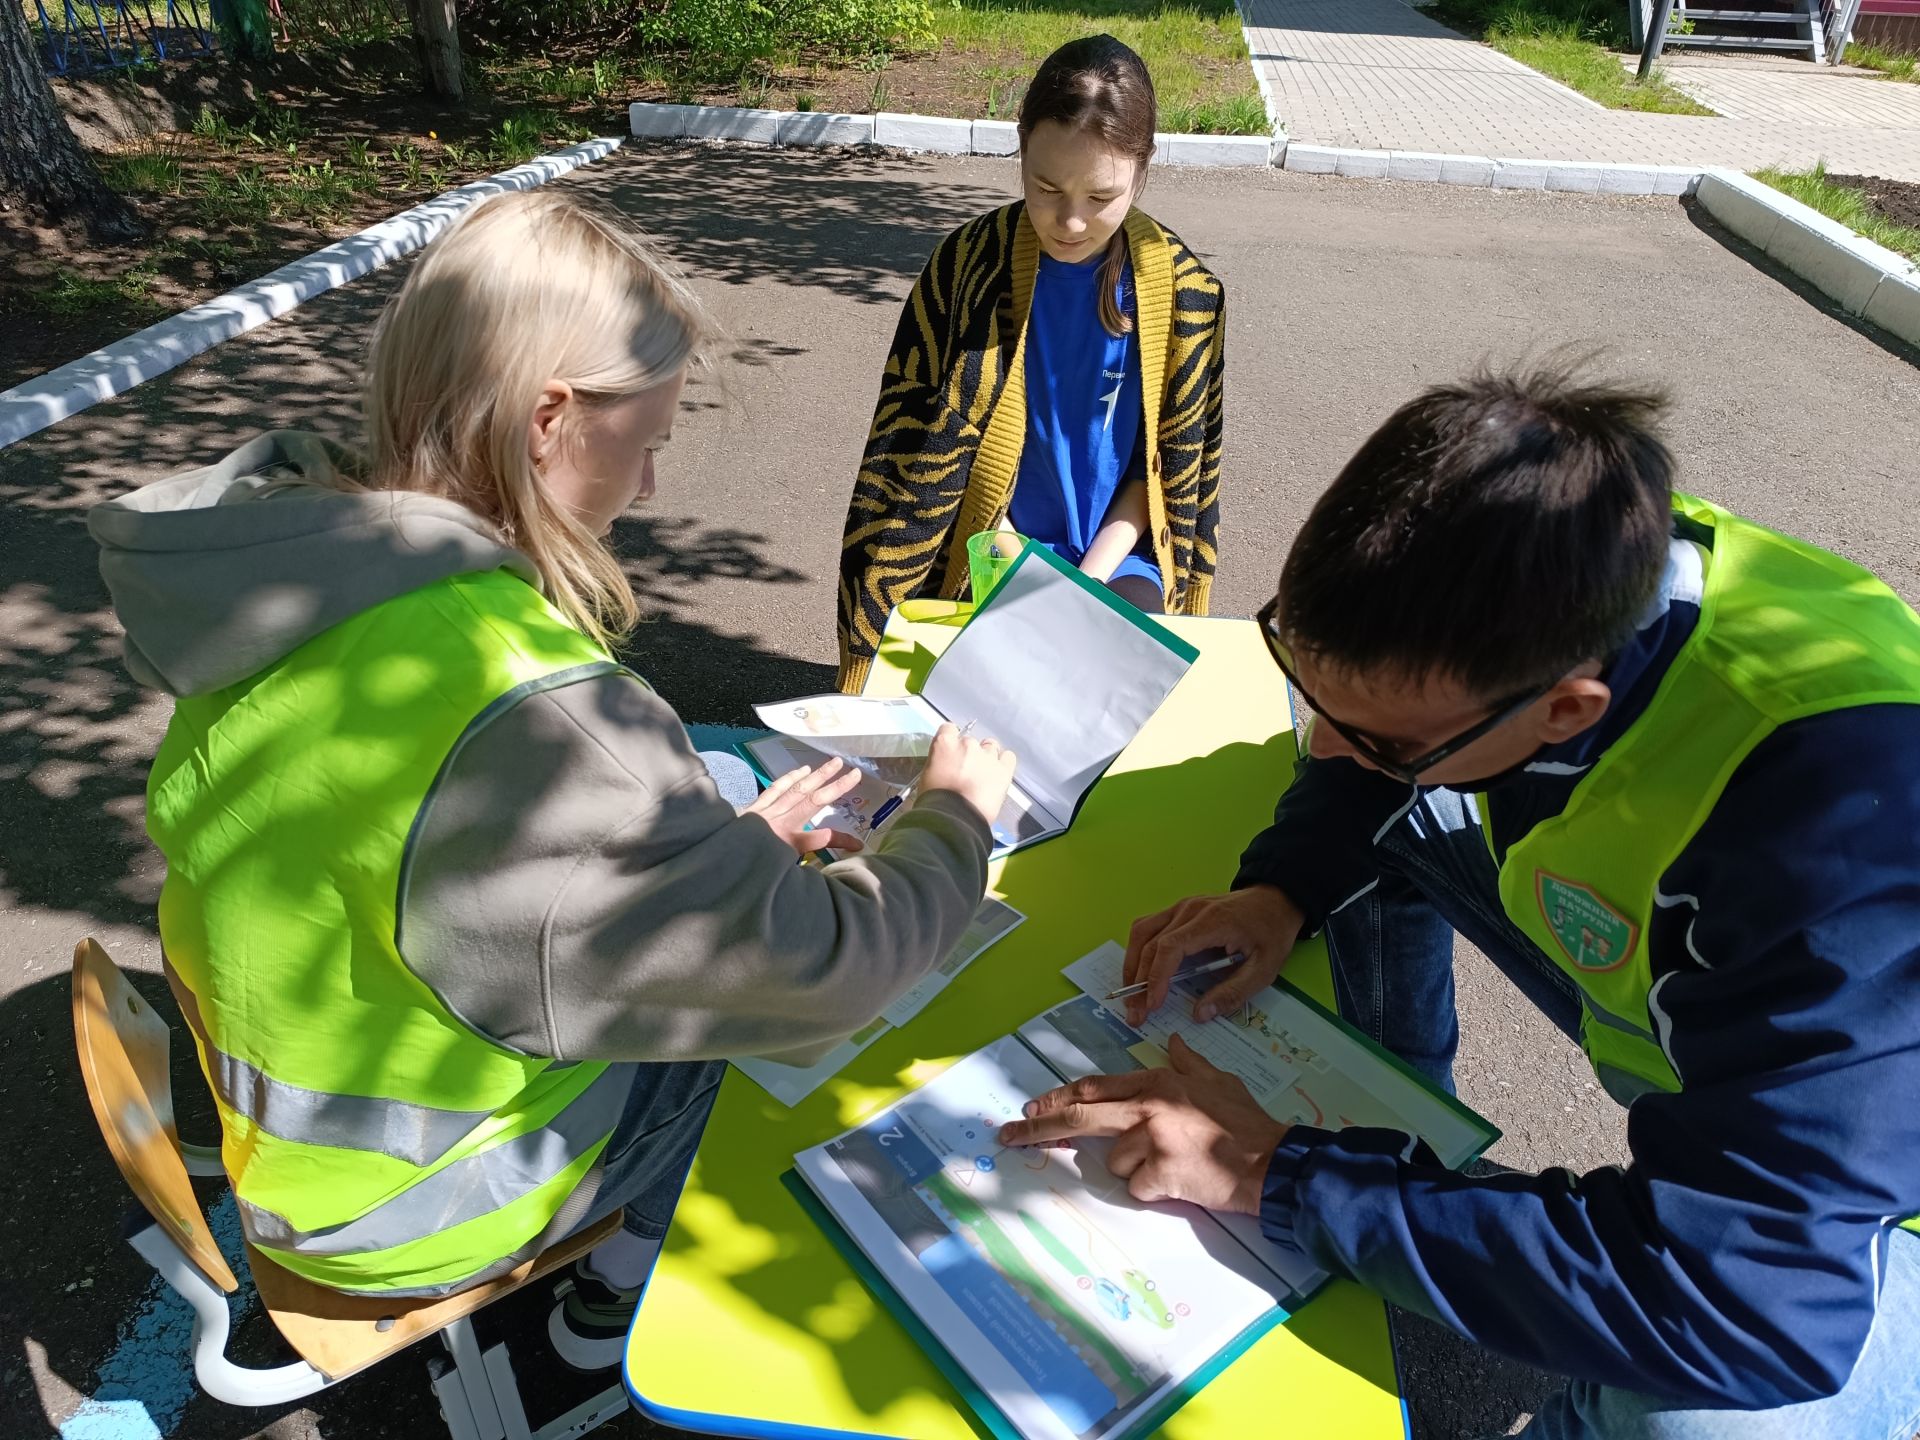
{"x":1499,"y":532}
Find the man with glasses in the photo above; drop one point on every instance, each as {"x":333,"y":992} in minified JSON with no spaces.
{"x":1663,"y":767}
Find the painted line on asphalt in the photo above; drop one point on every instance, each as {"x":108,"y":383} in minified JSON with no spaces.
{"x":114,"y":369}
{"x":145,"y":1385}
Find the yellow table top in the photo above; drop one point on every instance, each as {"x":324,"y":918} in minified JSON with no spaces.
{"x":753,"y":1323}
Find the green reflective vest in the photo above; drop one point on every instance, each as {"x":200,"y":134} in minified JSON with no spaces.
{"x":376,"y":1142}
{"x":1785,"y":631}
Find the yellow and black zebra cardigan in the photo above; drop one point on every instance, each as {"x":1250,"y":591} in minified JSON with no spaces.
{"x":944,"y":450}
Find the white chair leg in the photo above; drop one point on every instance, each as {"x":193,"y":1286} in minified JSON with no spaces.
{"x":506,"y":1394}
{"x":465,"y":1349}
{"x":212,"y":1322}
{"x":452,"y":1395}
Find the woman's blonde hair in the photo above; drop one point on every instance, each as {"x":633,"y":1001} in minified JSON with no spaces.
{"x":527,"y":288}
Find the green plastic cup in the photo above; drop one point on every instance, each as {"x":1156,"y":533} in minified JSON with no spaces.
{"x":990,"y":554}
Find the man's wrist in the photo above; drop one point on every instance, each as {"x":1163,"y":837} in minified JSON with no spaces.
{"x":1247,"y":1195}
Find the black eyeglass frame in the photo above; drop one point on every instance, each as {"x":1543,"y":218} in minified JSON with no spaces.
{"x":1406,"y":771}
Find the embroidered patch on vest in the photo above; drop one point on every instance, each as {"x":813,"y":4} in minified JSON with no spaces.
{"x":1594,"y":934}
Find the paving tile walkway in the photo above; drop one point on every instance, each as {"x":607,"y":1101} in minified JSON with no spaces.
{"x":1378,"y":74}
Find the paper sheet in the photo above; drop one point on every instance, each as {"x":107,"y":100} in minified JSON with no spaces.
{"x":790,"y":1084}
{"x":1074,"y":1306}
{"x":991,"y":923}
{"x":853,"y":813}
{"x":886,"y":736}
{"x":1060,"y":670}
{"x":1301,"y":1067}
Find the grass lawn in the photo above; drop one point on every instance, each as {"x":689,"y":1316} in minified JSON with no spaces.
{"x":977,"y":68}
{"x":1572,"y":41}
{"x":1196,"y":53}
{"x":1844,"y":203}
{"x":1888,"y":62}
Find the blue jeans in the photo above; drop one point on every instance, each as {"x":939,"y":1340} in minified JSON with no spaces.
{"x":1392,"y":956}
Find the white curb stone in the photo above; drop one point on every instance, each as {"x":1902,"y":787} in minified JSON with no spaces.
{"x":1361,"y":164}
{"x":1828,"y":255}
{"x":659,"y":122}
{"x":1895,"y":306}
{"x":820,"y":127}
{"x":116,"y":368}
{"x":1311,"y":159}
{"x":1520,"y":174}
{"x":1675,"y":179}
{"x":923,"y":132}
{"x":1742,"y":204}
{"x":1418,"y":166}
{"x":728,"y":122}
{"x":1575,"y":177}
{"x":1865,"y":279}
{"x":996,"y":137}
{"x":1466,"y":170}
{"x":1218,"y":150}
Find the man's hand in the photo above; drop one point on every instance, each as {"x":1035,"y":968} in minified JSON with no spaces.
{"x":1189,"y":1133}
{"x":791,"y":802}
{"x":1258,"y":922}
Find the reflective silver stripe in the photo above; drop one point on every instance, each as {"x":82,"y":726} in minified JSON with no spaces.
{"x":464,"y":1190}
{"x":1624,"y":1086}
{"x":1612,"y":1021}
{"x":417,"y":1134}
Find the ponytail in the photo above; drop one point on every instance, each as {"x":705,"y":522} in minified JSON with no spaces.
{"x":1113,"y":270}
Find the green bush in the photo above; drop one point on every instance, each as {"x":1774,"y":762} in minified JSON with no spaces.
{"x":742,"y":31}
{"x":720,"y":34}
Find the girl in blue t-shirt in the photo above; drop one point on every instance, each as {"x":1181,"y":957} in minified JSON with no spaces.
{"x":1057,"y":371}
{"x":1086,"y":133}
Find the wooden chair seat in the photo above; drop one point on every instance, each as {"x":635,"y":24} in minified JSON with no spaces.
{"x":340,"y":1335}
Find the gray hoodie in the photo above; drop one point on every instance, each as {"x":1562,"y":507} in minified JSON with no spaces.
{"x":576,"y":886}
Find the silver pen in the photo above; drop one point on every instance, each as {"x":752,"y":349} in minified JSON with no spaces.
{"x":1207,"y":969}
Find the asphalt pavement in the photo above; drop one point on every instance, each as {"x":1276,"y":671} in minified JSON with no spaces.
{"x":1344,"y":298}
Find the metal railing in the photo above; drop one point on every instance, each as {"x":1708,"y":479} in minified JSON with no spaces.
{"x":93,"y":35}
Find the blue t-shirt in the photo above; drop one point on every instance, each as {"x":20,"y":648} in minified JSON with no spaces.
{"x":1083,"y":413}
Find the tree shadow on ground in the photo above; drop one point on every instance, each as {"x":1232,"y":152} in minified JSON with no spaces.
{"x":859,"y":224}
{"x":77,"y":734}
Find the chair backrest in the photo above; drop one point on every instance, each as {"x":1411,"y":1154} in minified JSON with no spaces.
{"x":123,"y":1059}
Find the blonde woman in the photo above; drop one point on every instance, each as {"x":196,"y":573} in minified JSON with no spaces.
{"x":457,"y":919}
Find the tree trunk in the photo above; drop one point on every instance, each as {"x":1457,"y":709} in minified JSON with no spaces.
{"x":40,"y":161}
{"x":437,"y":32}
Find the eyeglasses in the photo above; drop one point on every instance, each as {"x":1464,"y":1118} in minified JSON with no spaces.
{"x":1406,"y":771}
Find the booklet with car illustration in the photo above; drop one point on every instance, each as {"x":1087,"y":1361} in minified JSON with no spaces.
{"x":1053,"y":665}
{"x":1061,"y":1307}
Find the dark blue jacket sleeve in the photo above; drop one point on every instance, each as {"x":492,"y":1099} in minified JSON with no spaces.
{"x":1319,"y":849}
{"x":1734,"y":1261}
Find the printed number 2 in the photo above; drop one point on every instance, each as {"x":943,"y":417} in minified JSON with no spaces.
{"x":887,"y":1137}
{"x":1112,"y":397}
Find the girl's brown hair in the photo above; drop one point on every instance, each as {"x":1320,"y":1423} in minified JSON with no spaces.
{"x":1100,"y":85}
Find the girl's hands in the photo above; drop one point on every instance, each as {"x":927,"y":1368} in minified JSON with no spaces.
{"x":789,"y":804}
{"x":978,"y":771}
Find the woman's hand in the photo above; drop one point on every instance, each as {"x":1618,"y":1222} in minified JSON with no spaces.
{"x":789,"y":804}
{"x":978,"y":771}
